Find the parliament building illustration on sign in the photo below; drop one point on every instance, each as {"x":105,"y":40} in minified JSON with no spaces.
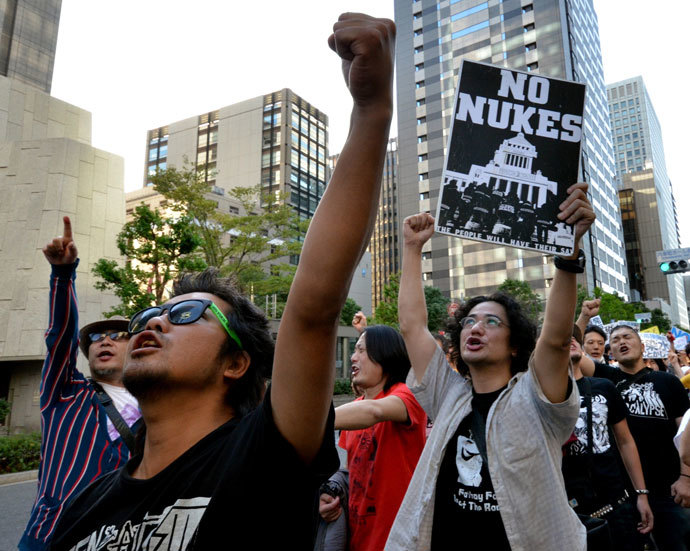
{"x":503,"y":201}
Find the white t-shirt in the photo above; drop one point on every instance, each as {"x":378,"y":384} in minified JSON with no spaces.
{"x":125,"y":403}
{"x":681,"y":428}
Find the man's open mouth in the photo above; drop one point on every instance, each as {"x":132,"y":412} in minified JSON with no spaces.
{"x":146,"y":339}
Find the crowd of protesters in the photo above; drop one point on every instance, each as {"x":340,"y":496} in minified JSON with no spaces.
{"x":197,"y":431}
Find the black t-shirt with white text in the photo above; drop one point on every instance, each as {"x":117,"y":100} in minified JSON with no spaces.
{"x":608,"y":480}
{"x":243,"y":486}
{"x":465,"y":509}
{"x":654,"y":401}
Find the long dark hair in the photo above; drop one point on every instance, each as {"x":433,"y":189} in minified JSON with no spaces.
{"x":523,"y":332}
{"x":386,"y":347}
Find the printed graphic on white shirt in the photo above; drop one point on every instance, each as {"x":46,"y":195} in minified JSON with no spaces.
{"x":600,"y":433}
{"x":172,"y":530}
{"x":469,"y":463}
{"x":643,"y":401}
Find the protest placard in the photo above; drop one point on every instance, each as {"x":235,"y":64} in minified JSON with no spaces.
{"x":513,"y":151}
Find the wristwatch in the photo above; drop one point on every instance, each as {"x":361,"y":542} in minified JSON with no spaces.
{"x":642,"y":492}
{"x":574,"y":266}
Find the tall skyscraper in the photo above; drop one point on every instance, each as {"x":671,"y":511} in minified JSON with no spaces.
{"x":557,"y":38}
{"x":646,"y":196}
{"x":383,"y":247}
{"x":28,"y":37}
{"x":277,"y":140}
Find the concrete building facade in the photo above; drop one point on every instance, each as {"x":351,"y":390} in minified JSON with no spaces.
{"x":48,"y":169}
{"x":649,"y":213}
{"x":278,"y":141}
{"x":28,"y":37}
{"x":557,"y":38}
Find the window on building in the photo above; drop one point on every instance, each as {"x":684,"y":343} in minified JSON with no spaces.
{"x":531,"y":46}
{"x":528,"y":27}
{"x":528,"y":8}
{"x":532,"y":66}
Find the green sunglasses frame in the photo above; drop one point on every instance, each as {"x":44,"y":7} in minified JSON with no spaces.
{"x":207,"y":304}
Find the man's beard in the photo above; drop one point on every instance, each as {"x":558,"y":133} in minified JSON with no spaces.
{"x":145,"y":385}
{"x":107,"y":374}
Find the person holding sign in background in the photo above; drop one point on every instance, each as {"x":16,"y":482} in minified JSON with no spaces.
{"x":489,"y":476}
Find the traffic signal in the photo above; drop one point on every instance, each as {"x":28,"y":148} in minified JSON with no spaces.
{"x":674,"y":267}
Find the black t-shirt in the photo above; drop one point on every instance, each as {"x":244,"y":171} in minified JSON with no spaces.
{"x":466,"y":510}
{"x":241,"y":487}
{"x":654,"y":402}
{"x":608,"y":480}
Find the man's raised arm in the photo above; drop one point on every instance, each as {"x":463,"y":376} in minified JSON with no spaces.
{"x":552,"y":352}
{"x":338,"y":235}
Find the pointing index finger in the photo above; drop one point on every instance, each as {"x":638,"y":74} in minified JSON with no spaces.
{"x":67,"y":233}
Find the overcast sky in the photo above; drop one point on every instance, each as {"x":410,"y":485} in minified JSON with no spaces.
{"x":139,"y":64}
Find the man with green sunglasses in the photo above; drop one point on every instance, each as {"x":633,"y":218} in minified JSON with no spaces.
{"x":226,"y":462}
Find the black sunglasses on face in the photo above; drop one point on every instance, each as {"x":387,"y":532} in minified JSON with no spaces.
{"x":181,"y":313}
{"x":114,"y":335}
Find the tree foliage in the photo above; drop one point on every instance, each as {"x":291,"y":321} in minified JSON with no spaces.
{"x":157,"y":248}
{"x":348,"y":312}
{"x":531,"y":302}
{"x":614,"y":308}
{"x":436,"y":307}
{"x":387,"y":310}
{"x":253,"y":247}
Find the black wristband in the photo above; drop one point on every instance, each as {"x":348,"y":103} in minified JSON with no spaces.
{"x":574,"y":266}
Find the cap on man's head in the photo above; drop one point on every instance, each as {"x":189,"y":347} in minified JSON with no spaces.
{"x":116,"y":323}
{"x":577,"y":334}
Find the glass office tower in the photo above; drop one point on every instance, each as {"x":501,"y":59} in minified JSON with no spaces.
{"x":646,"y":196}
{"x":556,"y":38}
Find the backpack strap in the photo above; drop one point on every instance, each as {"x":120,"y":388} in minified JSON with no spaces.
{"x":114,"y":415}
{"x":625,"y":384}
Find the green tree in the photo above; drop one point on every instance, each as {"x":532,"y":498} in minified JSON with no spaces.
{"x":531,"y":302}
{"x":157,"y":248}
{"x":348,"y":312}
{"x":613,"y":307}
{"x":4,"y":410}
{"x":253,"y":247}
{"x":660,"y":320}
{"x":436,"y":307}
{"x":387,"y":310}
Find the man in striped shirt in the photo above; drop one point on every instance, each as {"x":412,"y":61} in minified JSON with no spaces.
{"x":79,"y":442}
